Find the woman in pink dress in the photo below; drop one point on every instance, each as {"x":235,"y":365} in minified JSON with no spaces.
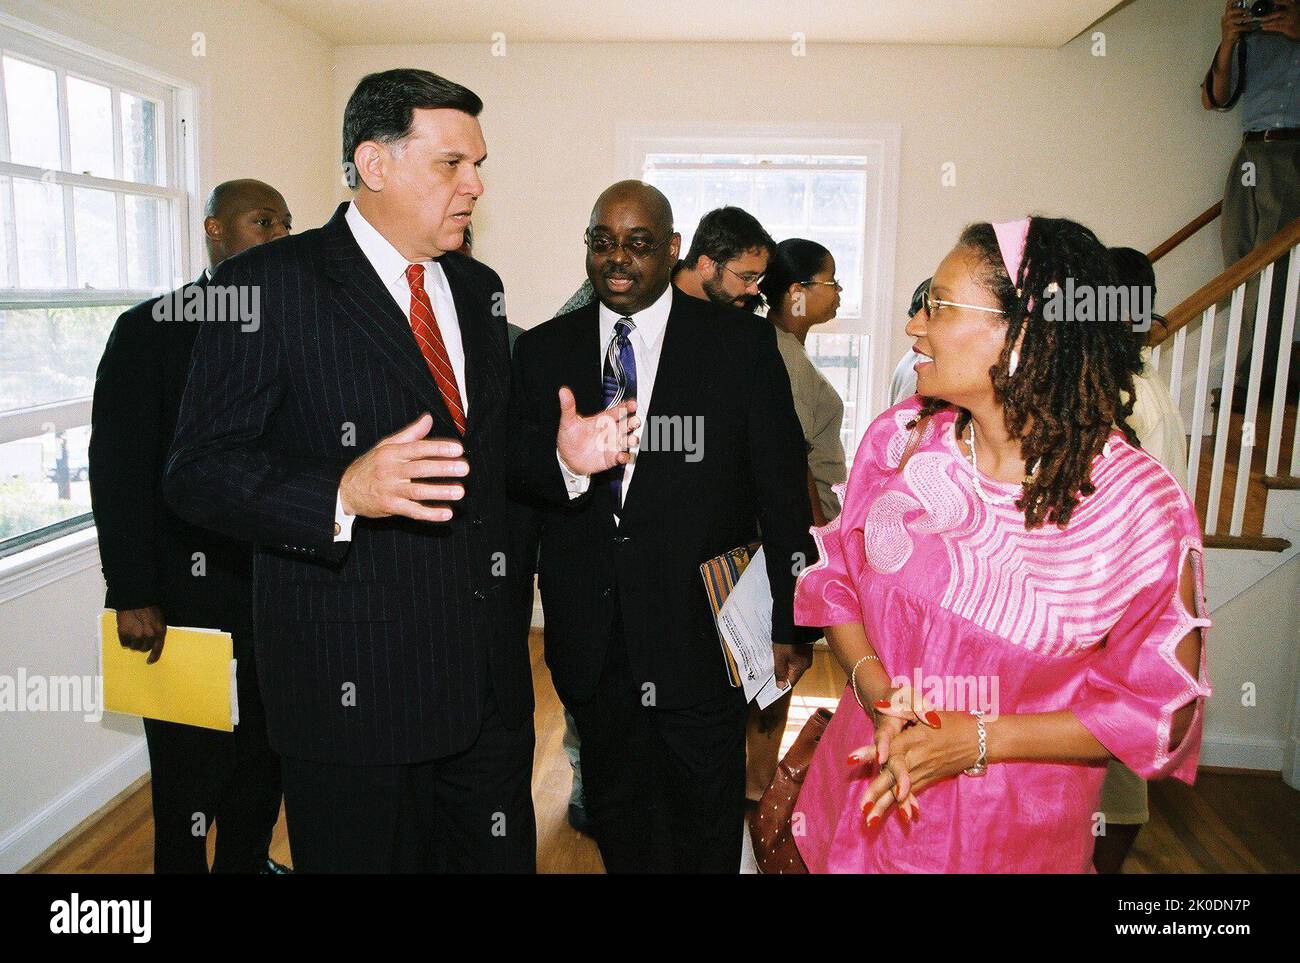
{"x":1014,"y":587}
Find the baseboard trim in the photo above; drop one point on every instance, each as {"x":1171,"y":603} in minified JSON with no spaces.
{"x":1229,"y":752}
{"x":37,"y":837}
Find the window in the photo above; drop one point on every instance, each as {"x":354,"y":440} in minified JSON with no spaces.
{"x":820,"y":198}
{"x":92,"y":220}
{"x":834,"y":187}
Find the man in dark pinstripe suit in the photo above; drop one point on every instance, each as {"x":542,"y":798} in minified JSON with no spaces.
{"x":354,"y":429}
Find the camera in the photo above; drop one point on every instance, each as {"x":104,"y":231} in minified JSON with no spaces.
{"x":1257,"y":8}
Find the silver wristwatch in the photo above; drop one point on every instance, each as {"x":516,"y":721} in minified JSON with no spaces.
{"x":982,"y":763}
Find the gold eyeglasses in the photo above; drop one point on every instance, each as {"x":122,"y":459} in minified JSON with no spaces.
{"x":932,"y":304}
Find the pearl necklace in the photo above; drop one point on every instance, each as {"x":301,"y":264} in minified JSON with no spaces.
{"x":983,"y":496}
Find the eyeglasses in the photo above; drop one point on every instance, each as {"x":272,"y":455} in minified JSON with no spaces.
{"x":833,"y":282}
{"x":749,"y":278}
{"x":638,"y":247}
{"x":933,"y":304}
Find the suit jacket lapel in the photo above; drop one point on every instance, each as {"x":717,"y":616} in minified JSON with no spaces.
{"x":681,"y":385}
{"x":367,"y":304}
{"x":581,"y":373}
{"x":583,"y":370}
{"x":486,"y":369}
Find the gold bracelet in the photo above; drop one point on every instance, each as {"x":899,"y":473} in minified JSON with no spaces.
{"x":853,"y":679}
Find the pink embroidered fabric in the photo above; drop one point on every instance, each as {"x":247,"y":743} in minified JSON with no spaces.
{"x":959,"y":598}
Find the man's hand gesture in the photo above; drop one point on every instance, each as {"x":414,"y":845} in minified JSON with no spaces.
{"x":389,"y":478}
{"x":592,"y":444}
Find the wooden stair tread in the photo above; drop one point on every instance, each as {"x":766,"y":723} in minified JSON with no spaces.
{"x":1257,"y":543}
{"x":1281,"y":482}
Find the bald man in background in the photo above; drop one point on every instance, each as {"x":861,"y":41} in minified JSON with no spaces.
{"x":163,"y":571}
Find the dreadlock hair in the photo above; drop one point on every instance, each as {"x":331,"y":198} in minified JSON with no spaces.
{"x":1074,"y":381}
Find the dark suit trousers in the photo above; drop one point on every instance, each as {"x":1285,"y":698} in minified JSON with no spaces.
{"x":665,"y":789}
{"x":467,"y":813}
{"x":202,"y":776}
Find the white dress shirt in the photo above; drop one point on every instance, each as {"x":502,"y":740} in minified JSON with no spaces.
{"x":647,"y":342}
{"x":391,"y":267}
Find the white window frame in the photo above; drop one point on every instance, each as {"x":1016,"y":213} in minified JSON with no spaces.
{"x":177,"y":103}
{"x":880,"y":144}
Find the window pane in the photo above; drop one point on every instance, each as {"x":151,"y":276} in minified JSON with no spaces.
{"x":780,"y":198}
{"x":847,"y":251}
{"x":38,"y":209}
{"x":720,"y":188}
{"x":50,"y":354}
{"x":43,"y":480}
{"x":96,"y":233}
{"x":139,"y":140}
{"x":143,"y":242}
{"x":6,"y":222}
{"x":682,"y":190}
{"x":31,"y":97}
{"x":837,"y":199}
{"x":839,"y":358}
{"x":90,"y":127}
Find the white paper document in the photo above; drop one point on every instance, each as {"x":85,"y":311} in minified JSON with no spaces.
{"x":745,"y":621}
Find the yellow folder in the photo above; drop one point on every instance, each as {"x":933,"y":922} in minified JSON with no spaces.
{"x":192,"y":683}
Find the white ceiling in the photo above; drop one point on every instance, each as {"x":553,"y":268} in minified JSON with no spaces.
{"x":1019,"y":23}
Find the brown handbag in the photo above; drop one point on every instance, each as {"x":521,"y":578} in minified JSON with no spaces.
{"x":770,"y":827}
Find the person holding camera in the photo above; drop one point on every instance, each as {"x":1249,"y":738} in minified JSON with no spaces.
{"x":1258,"y":63}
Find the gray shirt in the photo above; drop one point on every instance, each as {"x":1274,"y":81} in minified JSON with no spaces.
{"x":1271,"y":95}
{"x":821,"y":415}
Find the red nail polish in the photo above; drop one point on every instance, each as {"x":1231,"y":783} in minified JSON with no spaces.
{"x":872,"y":821}
{"x":854,"y":759}
{"x":932,"y":717}
{"x":882,"y":703}
{"x":906,"y":817}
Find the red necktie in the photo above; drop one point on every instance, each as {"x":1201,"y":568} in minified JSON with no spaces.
{"x":429,"y":337}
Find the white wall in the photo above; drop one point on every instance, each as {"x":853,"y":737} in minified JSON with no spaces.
{"x":57,"y":767}
{"x":1119,"y":142}
{"x":1254,"y":643}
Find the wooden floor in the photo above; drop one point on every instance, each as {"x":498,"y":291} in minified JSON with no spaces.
{"x":1226,"y":823}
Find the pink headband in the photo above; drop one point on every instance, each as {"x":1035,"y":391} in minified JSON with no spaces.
{"x":1011,"y":242}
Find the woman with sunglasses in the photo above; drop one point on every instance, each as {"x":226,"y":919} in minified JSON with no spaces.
{"x":1013,"y":587}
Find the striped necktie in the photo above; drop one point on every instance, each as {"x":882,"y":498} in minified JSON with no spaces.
{"x":429,"y":336}
{"x":618,"y":384}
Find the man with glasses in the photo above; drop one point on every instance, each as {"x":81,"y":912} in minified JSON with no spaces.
{"x":728,"y":256}
{"x":724,"y":266}
{"x":630,"y":638}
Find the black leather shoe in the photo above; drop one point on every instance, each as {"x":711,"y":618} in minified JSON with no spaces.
{"x":272,"y":867}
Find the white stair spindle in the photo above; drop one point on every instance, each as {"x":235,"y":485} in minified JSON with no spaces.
{"x":1248,"y":422}
{"x":1225,"y":410}
{"x":1198,"y":405}
{"x":1278,"y":411}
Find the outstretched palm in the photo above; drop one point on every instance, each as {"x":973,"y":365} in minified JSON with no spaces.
{"x":592,"y":444}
